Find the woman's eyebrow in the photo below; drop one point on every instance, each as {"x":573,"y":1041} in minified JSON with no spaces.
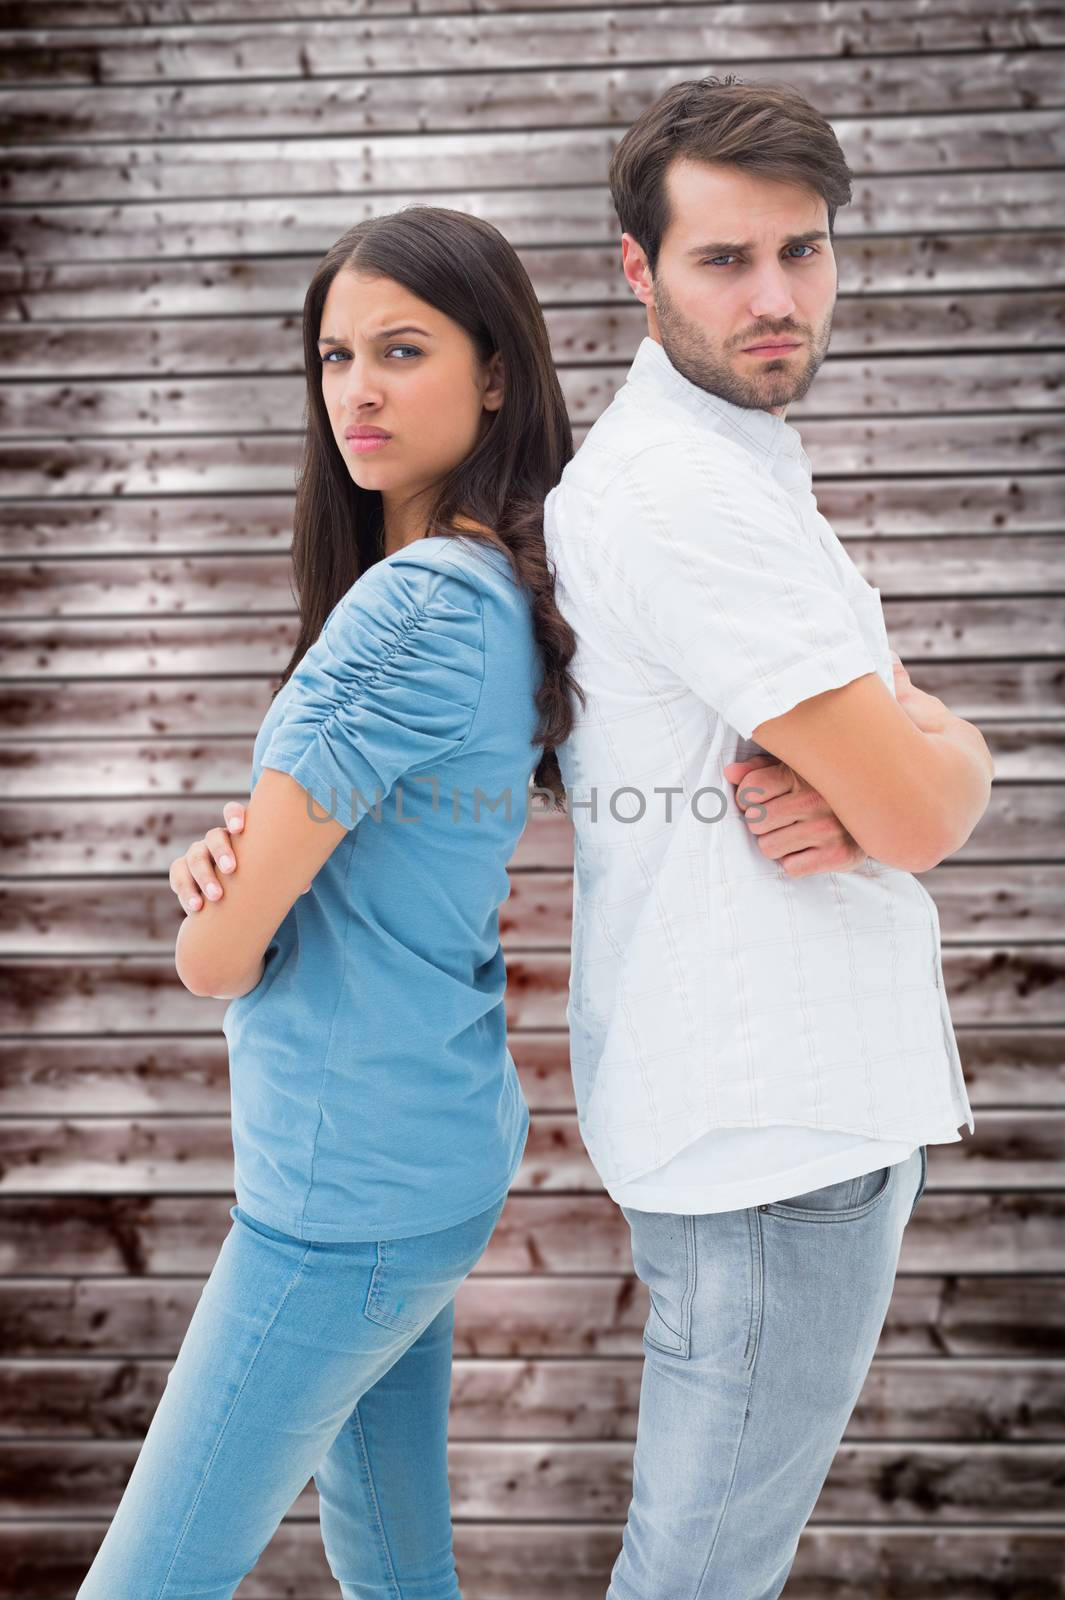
{"x":385,"y":333}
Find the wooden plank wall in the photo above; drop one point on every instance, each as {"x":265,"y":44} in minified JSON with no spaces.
{"x":172,"y":173}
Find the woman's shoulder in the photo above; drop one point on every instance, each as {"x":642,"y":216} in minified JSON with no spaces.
{"x":452,"y":561}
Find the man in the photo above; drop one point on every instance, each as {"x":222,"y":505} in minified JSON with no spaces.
{"x":761,"y":1043}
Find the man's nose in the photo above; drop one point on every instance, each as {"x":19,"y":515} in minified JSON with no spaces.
{"x":771,"y":295}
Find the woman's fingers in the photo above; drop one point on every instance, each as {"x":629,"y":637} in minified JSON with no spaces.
{"x":182,"y":884}
{"x":206,"y":856}
{"x":233,"y":811}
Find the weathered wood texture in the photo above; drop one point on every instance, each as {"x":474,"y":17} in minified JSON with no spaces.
{"x":173,"y":170}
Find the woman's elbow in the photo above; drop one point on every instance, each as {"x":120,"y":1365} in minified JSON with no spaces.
{"x":192,"y":969}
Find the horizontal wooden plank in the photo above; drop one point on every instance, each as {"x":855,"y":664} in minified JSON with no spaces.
{"x":925,"y":633}
{"x":159,"y":768}
{"x":870,"y":326}
{"x":146,"y":585}
{"x":550,"y":1236}
{"x":366,"y":105}
{"x":901,"y":389}
{"x":863,"y":514}
{"x":313,"y":47}
{"x":570,"y":1400}
{"x":188,"y":1155}
{"x":1010,"y":1317}
{"x":170,"y":17}
{"x":305,"y":223}
{"x":873,"y":271}
{"x":1002,"y":903}
{"x":997,"y":984}
{"x":982,"y":691}
{"x":189,"y":1076}
{"x":592,"y":1481}
{"x":86,"y":173}
{"x":124,"y":838}
{"x":573,"y":1562}
{"x":259,"y":462}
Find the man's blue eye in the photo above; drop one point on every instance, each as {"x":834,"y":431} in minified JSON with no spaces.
{"x":712,"y":260}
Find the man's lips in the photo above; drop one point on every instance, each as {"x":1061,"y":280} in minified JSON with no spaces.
{"x":771,"y":347}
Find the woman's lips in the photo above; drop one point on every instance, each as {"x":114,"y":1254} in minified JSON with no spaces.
{"x":368,"y":442}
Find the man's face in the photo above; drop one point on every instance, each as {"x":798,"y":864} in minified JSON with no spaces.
{"x":745,"y":263}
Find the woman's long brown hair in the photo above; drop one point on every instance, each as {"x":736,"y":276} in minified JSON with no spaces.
{"x":465,"y":268}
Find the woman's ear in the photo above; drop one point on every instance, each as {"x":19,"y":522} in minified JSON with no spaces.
{"x":492,"y":397}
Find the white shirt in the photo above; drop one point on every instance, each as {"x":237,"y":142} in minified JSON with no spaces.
{"x":708,"y":990}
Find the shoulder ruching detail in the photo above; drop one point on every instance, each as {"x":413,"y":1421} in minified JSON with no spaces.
{"x":390,"y":686}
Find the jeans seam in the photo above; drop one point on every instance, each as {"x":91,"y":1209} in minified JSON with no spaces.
{"x":757,"y":1290}
{"x":371,"y":1488}
{"x":732,"y":1477}
{"x":221,"y":1432}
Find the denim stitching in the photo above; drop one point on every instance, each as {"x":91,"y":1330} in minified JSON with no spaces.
{"x":221,"y":1433}
{"x":371,"y":1489}
{"x":755,"y":1225}
{"x":754,"y":1326}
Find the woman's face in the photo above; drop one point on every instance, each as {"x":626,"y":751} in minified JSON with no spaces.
{"x":393,"y":365}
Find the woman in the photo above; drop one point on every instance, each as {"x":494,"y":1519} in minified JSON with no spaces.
{"x":376,"y":1113}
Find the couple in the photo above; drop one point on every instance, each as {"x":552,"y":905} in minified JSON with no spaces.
{"x":761,"y":1043}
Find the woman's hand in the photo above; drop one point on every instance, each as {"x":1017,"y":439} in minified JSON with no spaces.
{"x":194,"y":872}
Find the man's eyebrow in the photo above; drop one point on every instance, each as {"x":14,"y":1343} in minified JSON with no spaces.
{"x":385,"y":333}
{"x":724,"y":248}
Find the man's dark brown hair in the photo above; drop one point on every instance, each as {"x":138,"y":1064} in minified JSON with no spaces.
{"x":768,"y":129}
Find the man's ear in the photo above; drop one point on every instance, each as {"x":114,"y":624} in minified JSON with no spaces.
{"x":637,"y":274}
{"x":492,"y":398}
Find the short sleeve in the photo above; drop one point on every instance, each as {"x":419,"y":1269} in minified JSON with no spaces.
{"x":390,"y":686}
{"x":712,"y":572}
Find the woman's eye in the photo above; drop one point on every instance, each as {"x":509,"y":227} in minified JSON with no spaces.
{"x":345,"y":355}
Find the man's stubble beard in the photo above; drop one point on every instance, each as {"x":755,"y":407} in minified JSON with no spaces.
{"x":784,"y":382}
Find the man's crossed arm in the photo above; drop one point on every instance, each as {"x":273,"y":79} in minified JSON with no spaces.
{"x":797,"y":826}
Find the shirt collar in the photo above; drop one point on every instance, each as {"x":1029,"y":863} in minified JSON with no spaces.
{"x":769,"y":439}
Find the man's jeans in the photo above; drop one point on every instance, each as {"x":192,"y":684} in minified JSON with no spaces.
{"x":762,"y":1327}
{"x":302,"y":1358}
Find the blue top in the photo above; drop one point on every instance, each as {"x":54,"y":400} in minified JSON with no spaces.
{"x":373,"y":1094}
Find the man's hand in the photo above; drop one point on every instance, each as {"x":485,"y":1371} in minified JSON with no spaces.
{"x":793,"y":823}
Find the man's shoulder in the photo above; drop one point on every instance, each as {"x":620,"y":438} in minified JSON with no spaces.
{"x":630,"y":448}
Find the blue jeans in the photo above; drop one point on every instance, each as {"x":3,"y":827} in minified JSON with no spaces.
{"x":762,"y":1327}
{"x":302,"y":1359}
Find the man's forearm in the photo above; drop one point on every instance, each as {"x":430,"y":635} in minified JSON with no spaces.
{"x":963,"y":772}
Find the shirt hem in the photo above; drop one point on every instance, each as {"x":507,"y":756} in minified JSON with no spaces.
{"x":617,"y":1180}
